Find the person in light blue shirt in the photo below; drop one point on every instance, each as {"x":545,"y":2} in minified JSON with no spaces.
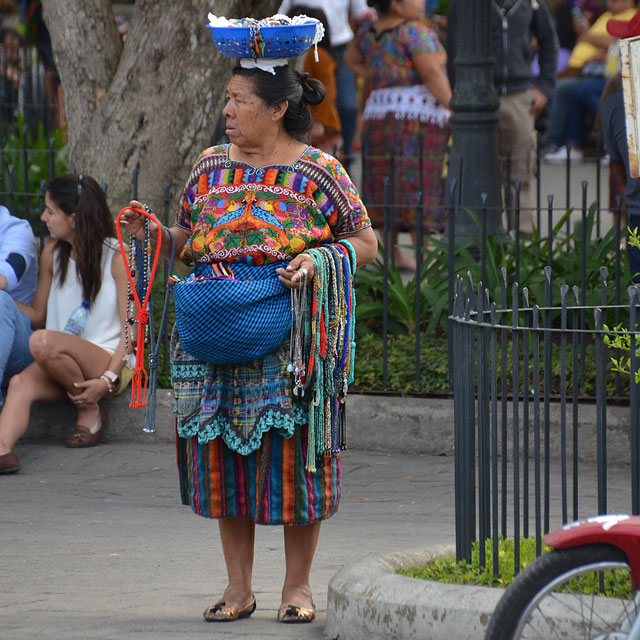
{"x":18,"y":278}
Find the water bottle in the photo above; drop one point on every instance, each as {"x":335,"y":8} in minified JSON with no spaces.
{"x":78,"y":319}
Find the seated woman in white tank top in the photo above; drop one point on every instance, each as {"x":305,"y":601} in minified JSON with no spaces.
{"x":79,"y":267}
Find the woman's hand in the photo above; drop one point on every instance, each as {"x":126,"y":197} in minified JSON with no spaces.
{"x":291,"y":277}
{"x":134,"y":222}
{"x":89,"y":392}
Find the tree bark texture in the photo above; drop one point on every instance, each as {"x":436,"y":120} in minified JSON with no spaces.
{"x":149,"y":105}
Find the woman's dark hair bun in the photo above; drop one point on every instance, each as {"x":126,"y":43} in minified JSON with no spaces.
{"x":313,"y":91}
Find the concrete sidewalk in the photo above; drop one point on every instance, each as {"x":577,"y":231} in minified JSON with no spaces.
{"x":95,"y":543}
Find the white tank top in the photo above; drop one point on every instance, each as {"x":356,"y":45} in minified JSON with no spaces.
{"x":103,"y":326}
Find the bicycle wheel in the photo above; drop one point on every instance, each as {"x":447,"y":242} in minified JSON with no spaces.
{"x":559,"y":596}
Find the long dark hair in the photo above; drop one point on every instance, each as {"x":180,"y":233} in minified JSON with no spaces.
{"x":299,"y":89}
{"x":83,"y":196}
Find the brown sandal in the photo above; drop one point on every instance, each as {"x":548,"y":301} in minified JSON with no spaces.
{"x":9,"y":463}
{"x":82,"y":436}
{"x":290,"y":614}
{"x":219,"y":612}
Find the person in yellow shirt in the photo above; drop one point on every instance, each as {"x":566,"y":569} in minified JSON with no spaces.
{"x":592,"y":59}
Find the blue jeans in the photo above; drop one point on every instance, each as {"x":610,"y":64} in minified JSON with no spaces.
{"x":560,"y":110}
{"x":584,"y":99}
{"x":346,"y":102}
{"x":14,"y":345}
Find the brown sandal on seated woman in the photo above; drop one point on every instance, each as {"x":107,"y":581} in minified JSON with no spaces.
{"x":220,"y":612}
{"x":82,"y":436}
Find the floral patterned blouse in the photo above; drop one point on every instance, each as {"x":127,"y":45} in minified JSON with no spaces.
{"x":237,"y":213}
{"x":389,"y":54}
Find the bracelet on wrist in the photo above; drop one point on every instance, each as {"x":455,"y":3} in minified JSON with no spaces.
{"x":110,"y":387}
{"x":113,"y":379}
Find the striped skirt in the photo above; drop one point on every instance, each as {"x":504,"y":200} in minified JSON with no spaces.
{"x":399,"y":149}
{"x":269,"y":485}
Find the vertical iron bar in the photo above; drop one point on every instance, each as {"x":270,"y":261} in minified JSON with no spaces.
{"x":525,"y":412}
{"x":575,"y":385}
{"x":598,"y":187}
{"x":564,"y":291}
{"x":568,"y":188}
{"x":547,"y":391}
{"x":508,"y":201}
{"x":517,"y":223}
{"x":385,"y":286}
{"x":494,"y":440}
{"x":618,"y":288}
{"x":550,"y":230}
{"x":515,"y":374}
{"x":483,"y":258}
{"x":25,"y":168}
{"x":583,"y":279}
{"x":537,"y":479}
{"x":538,"y":186}
{"x":503,"y":378}
{"x":483,"y":441}
{"x":600,"y":398}
{"x":634,"y":402}
{"x":419,"y":241}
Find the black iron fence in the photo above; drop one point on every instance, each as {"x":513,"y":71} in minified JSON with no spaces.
{"x":522,"y":405}
{"x":24,"y":173}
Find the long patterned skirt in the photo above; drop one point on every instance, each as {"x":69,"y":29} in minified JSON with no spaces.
{"x":392,"y":147}
{"x":224,"y":409}
{"x":269,"y":485}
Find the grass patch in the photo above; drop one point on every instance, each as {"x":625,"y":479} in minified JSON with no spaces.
{"x":616,"y":584}
{"x":449,"y":571}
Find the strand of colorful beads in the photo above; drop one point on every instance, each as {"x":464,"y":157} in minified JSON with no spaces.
{"x":323,"y":346}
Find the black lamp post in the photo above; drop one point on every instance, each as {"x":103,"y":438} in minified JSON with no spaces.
{"x":474,"y":161}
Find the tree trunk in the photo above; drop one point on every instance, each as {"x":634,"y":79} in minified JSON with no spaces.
{"x":150,"y":105}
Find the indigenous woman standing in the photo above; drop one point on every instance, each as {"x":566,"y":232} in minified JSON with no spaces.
{"x":406,"y":115}
{"x":255,"y":209}
{"x":81,"y":300}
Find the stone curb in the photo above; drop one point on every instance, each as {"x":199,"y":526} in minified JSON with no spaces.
{"x":367,"y":601}
{"x":374,"y":423}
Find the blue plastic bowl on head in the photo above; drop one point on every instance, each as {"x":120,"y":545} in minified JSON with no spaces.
{"x":282,"y":41}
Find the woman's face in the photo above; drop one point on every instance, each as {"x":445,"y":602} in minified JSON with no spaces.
{"x":60,"y":225}
{"x":408,"y":9}
{"x":247,"y":116}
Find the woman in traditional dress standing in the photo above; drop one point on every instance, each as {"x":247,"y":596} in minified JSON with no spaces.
{"x":406,"y":116}
{"x":262,"y":202}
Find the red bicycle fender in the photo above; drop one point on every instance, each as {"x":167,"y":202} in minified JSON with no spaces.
{"x":621,"y":531}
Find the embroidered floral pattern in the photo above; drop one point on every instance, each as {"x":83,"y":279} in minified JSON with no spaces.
{"x":236,"y":212}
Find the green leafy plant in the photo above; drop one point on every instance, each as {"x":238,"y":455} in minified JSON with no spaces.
{"x":27,"y":185}
{"x":565,"y":261}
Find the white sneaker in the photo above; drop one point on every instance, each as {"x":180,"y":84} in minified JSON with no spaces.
{"x":560,"y":156}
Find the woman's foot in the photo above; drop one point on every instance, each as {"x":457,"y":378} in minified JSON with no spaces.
{"x":297,"y":606}
{"x":228,"y":609}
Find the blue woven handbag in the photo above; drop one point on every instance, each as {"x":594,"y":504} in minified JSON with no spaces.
{"x":232,"y":320}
